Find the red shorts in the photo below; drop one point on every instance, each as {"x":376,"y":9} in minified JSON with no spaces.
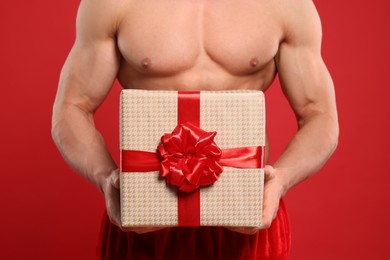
{"x":197,"y":242}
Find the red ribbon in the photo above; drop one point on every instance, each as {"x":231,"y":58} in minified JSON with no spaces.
{"x":191,"y":157}
{"x":203,"y":171}
{"x":243,"y":157}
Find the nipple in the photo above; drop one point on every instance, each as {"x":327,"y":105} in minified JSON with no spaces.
{"x":254,"y":62}
{"x":146,"y":63}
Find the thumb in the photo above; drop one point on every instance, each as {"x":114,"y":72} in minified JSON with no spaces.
{"x":114,"y":178}
{"x":269,"y":172}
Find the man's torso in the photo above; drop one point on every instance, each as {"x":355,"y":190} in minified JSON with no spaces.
{"x":211,"y":45}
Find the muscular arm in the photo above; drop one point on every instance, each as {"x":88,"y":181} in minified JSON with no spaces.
{"x":309,"y":89}
{"x":85,"y":80}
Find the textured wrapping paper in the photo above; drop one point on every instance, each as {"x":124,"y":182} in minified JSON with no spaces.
{"x":235,"y":199}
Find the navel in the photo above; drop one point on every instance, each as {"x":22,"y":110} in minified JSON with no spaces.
{"x":254,"y":62}
{"x":146,"y":63}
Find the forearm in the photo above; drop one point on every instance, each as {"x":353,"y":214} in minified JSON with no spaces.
{"x":312,"y":145}
{"x":81,"y":144}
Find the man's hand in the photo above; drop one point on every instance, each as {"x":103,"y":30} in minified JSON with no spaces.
{"x":110,"y":190}
{"x":273,"y":192}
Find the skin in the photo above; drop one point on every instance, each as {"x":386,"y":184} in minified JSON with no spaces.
{"x":204,"y":45}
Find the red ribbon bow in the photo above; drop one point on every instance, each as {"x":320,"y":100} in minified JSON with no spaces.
{"x":190,"y":157}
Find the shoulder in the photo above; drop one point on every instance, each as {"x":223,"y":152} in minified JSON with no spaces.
{"x":99,"y":16}
{"x":300,"y":20}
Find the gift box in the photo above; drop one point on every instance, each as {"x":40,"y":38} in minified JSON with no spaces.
{"x":191,"y":158}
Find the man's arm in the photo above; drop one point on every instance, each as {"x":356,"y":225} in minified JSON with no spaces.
{"x":85,"y":80}
{"x":309,"y":89}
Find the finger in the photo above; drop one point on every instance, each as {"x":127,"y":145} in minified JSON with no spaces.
{"x":267,"y":217}
{"x":269,"y":214}
{"x":113,"y":205}
{"x":114,"y":218}
{"x":115,"y":179}
{"x":266,"y":223}
{"x":270,"y":209}
{"x":269,"y":172}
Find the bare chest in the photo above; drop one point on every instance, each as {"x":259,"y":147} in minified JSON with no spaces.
{"x":167,"y":38}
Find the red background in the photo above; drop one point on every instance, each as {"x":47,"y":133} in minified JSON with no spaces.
{"x":49,"y":212}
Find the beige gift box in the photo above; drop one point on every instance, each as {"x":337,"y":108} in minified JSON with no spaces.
{"x":235,"y":199}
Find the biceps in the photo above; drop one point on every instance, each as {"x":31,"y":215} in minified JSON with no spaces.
{"x":306,"y":81}
{"x":88,"y":74}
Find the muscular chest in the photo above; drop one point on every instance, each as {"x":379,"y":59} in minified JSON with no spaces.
{"x":168,"y":37}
